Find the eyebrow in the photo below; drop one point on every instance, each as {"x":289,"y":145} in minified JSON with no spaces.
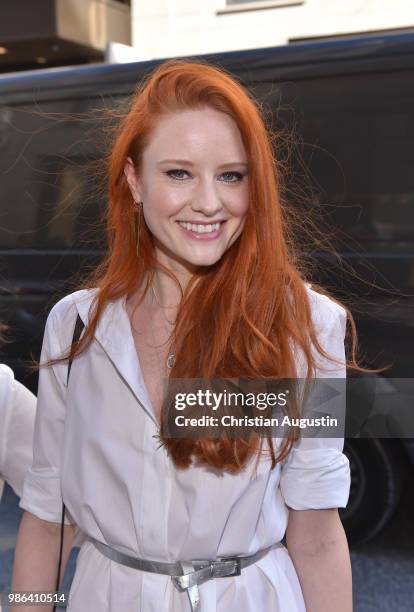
{"x":189,"y":163}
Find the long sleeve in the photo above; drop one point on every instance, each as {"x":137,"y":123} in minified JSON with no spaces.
{"x":316,"y":473}
{"x":42,"y":486}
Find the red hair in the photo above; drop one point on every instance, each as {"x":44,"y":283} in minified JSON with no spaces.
{"x":244,"y":309}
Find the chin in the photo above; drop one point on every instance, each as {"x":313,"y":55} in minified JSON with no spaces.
{"x":203,"y":260}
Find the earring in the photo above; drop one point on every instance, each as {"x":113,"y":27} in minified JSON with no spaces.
{"x":138,"y":224}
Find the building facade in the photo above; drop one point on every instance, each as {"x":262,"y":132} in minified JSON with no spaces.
{"x":167,"y":28}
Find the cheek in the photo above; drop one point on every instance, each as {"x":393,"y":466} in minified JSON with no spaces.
{"x":239,"y":205}
{"x":162,"y":203}
{"x":238,"y":229}
{"x":158,"y":210}
{"x":239,"y":215}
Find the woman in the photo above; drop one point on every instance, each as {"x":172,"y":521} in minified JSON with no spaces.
{"x":200,"y":281}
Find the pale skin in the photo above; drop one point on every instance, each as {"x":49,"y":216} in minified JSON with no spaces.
{"x":318,"y":547}
{"x":211,"y":185}
{"x":36,"y":557}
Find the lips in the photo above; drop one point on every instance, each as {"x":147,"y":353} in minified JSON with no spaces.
{"x":202,"y":231}
{"x":200,"y":228}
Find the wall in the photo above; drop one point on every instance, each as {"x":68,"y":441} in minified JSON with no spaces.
{"x":165,"y":28}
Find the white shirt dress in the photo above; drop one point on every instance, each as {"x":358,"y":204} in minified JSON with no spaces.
{"x":95,"y":445}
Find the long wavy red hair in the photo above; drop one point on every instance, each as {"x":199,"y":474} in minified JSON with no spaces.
{"x":244,"y":309}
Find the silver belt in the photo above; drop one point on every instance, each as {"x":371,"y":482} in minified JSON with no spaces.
{"x":187,"y":575}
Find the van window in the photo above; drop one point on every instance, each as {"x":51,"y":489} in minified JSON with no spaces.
{"x":49,"y":193}
{"x":358,"y":143}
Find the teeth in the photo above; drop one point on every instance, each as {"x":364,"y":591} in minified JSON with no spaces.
{"x":200,"y":229}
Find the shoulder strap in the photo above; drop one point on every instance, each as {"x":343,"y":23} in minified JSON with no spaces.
{"x":76,"y":335}
{"x":79,"y":325}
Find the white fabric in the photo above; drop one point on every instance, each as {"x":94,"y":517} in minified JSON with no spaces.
{"x":95,"y":445}
{"x":17,"y":417}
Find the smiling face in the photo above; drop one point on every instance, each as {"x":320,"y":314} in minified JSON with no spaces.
{"x":194,"y":187}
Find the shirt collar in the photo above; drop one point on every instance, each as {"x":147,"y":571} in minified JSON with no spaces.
{"x":114,"y":334}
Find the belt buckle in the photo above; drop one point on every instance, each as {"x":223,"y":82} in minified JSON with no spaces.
{"x":199,"y":564}
{"x":237,"y":566}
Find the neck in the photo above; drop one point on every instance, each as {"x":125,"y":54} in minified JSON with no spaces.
{"x":167,"y":292}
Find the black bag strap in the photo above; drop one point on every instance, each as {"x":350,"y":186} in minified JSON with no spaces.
{"x":79,"y":325}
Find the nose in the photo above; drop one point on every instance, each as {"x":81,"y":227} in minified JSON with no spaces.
{"x":206,"y":200}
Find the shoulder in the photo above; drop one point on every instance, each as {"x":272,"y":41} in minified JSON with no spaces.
{"x":77,"y":301}
{"x":6,"y":374}
{"x":62,"y":316}
{"x":13,"y":394}
{"x":325,"y":311}
{"x":6,"y":388}
{"x":68,"y":307}
{"x":17,"y":412}
{"x":329,"y":322}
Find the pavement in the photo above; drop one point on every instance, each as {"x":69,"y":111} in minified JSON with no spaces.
{"x":382,"y":569}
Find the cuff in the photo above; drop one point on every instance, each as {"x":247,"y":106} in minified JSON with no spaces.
{"x":316,"y":479}
{"x":42,"y":496}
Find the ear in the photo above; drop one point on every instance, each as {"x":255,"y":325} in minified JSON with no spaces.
{"x":132,"y":179}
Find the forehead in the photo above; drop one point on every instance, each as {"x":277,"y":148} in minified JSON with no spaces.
{"x":196,"y":132}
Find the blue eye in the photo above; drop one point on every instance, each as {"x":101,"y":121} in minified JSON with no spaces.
{"x":171,"y":172}
{"x":238,"y":175}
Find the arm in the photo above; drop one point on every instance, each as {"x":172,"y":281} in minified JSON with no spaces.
{"x":315,"y":482}
{"x":38,"y":544}
{"x":36,"y":557}
{"x":317,"y":544}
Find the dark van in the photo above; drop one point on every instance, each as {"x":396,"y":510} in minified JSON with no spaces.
{"x":347,"y":106}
